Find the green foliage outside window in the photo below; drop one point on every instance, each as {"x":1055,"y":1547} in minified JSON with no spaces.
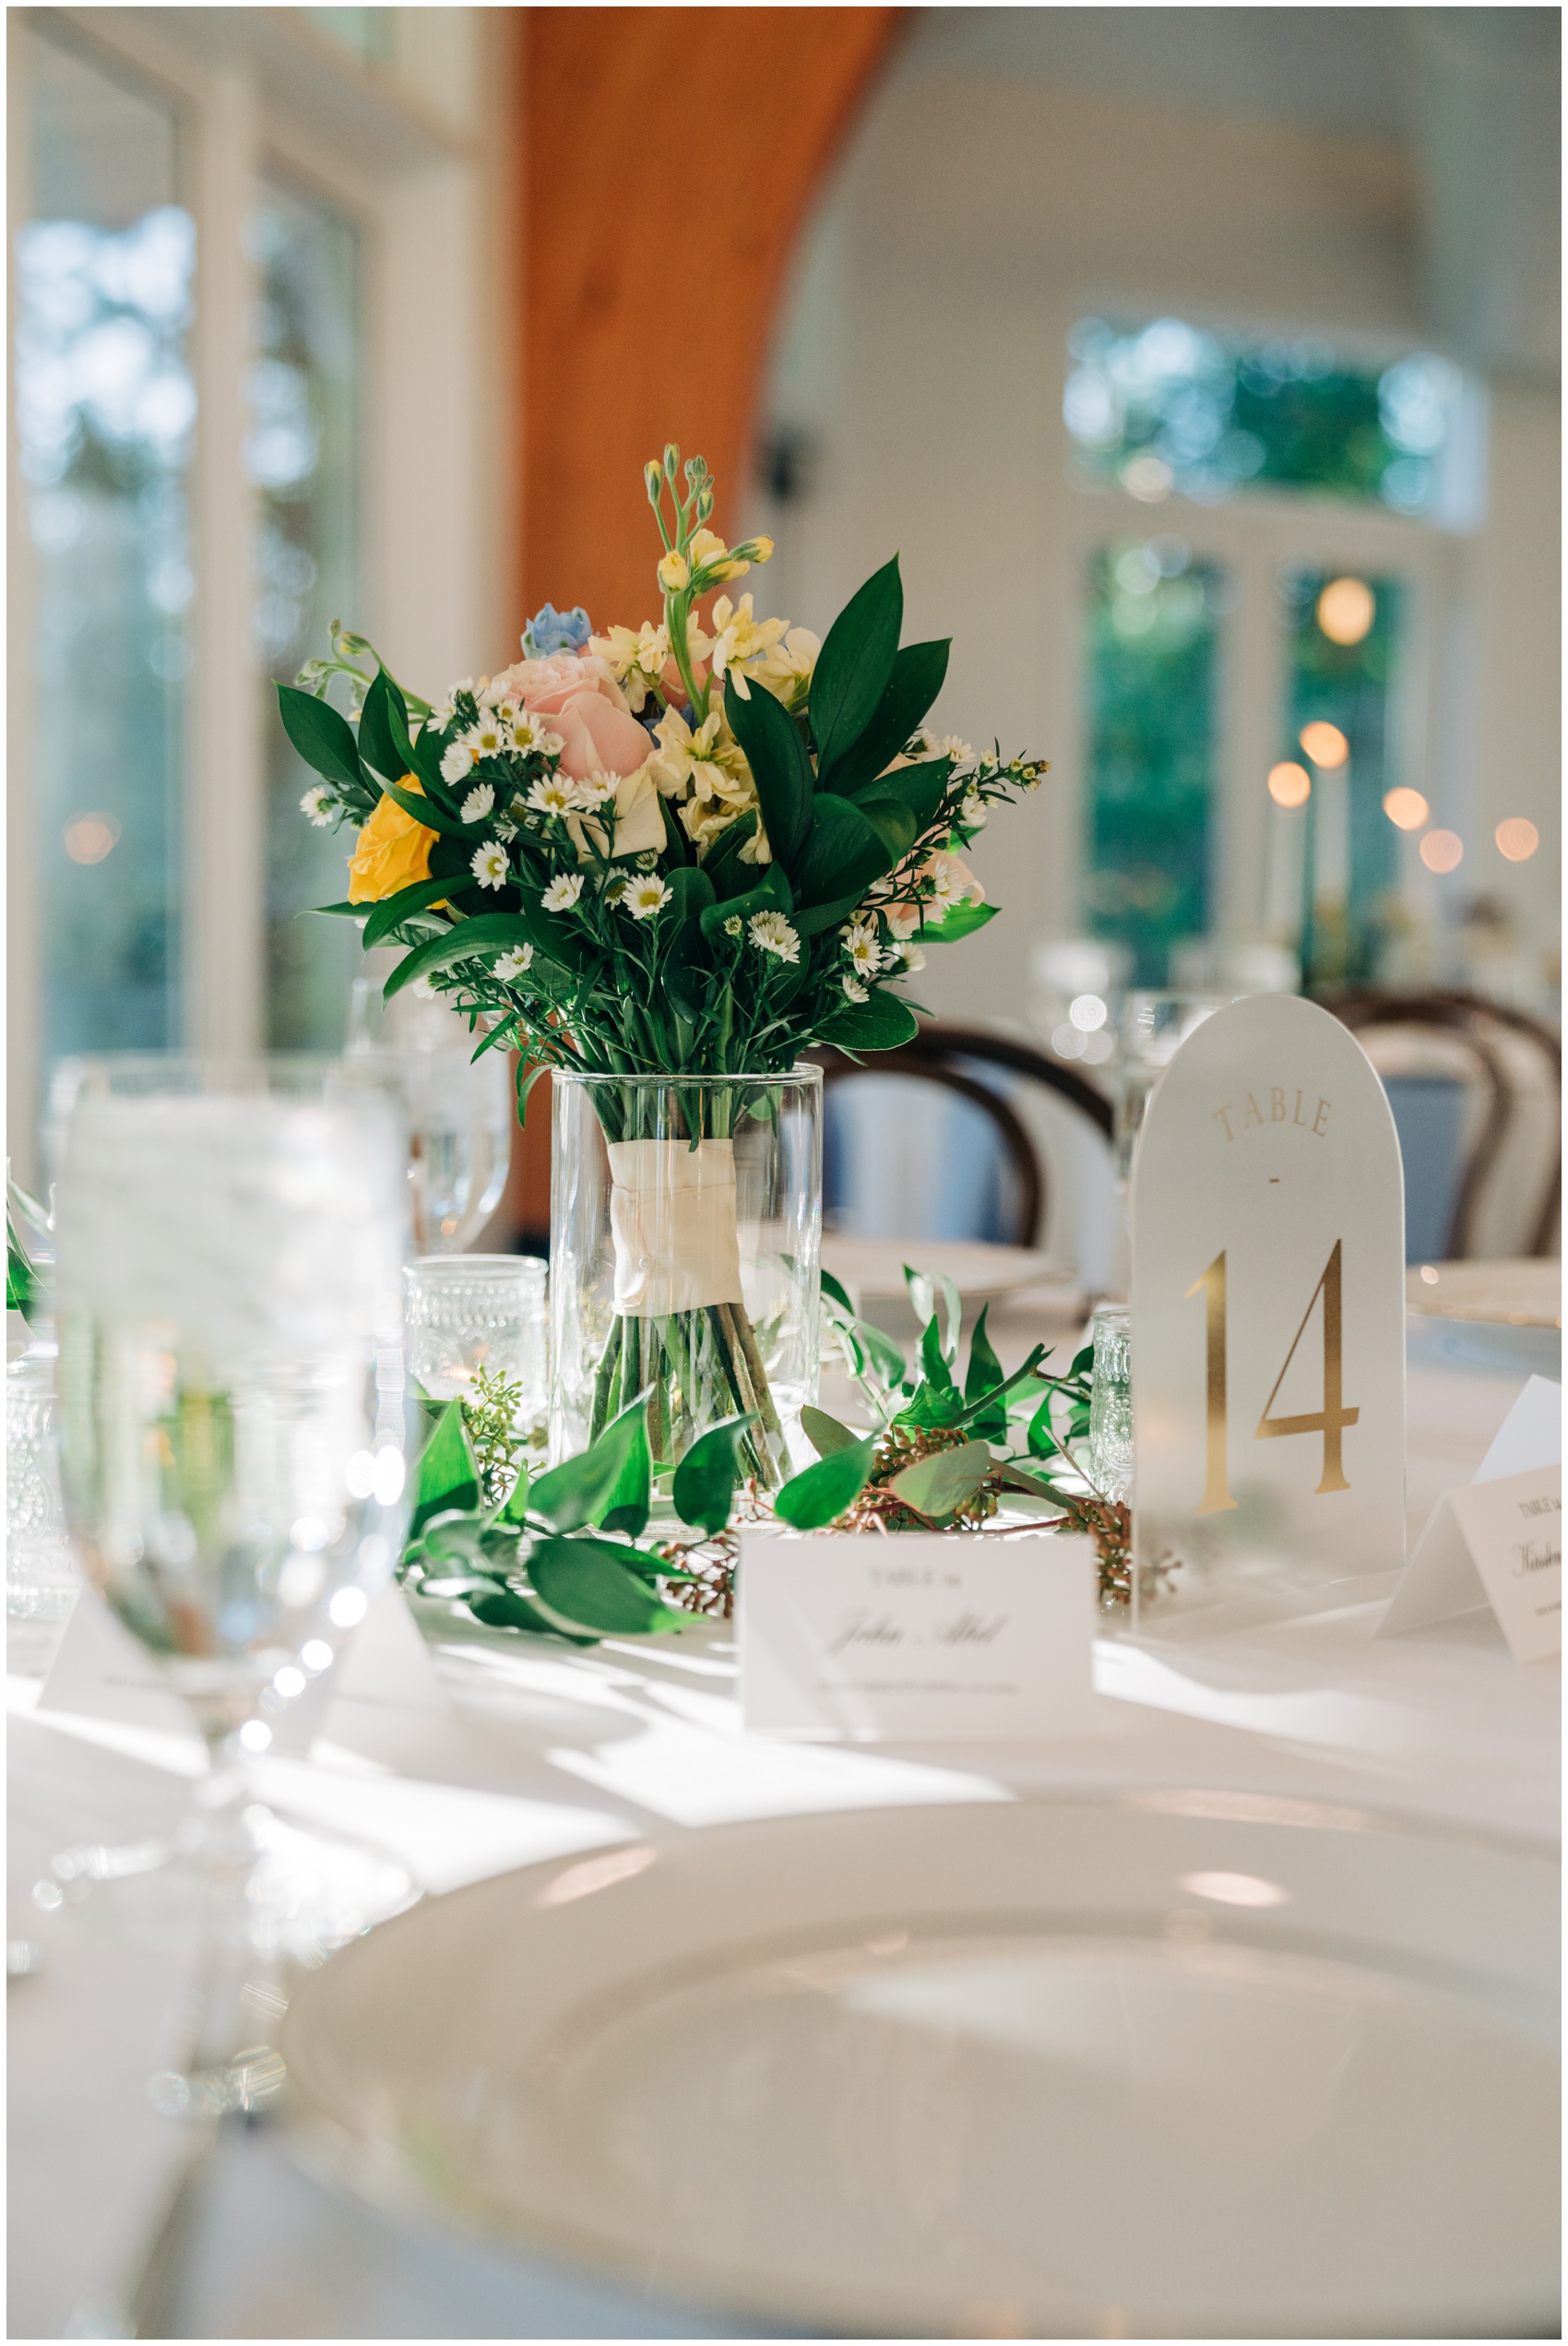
{"x":1151,"y":674}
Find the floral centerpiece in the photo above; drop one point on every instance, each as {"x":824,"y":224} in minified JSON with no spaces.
{"x":691,"y":849}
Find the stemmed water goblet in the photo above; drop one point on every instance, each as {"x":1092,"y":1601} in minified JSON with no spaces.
{"x":230,"y":1239}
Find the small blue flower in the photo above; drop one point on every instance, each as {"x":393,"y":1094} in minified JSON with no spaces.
{"x":551,"y":630}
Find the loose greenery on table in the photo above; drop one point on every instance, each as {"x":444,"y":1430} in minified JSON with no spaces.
{"x":578,"y":1552}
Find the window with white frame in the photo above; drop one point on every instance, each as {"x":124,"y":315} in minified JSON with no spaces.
{"x":220,"y":421}
{"x":1258,"y":655}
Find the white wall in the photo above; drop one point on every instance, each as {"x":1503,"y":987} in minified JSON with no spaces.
{"x":982,"y":207}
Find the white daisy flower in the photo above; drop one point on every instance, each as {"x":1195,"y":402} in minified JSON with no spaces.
{"x":645,"y":897}
{"x":616,"y":888}
{"x":771,"y":932}
{"x":478,"y":802}
{"x":423,"y":989}
{"x":441,"y":716}
{"x":505,"y":828}
{"x":903,"y":918}
{"x":732,"y":925}
{"x":490,"y":866}
{"x":855,"y":990}
{"x":863,"y":946}
{"x":949,"y":745}
{"x":562,"y":894}
{"x":512,"y":965}
{"x":489,"y":738}
{"x":456,"y":763}
{"x":973,"y":812}
{"x":594,"y":790}
{"x":317,"y":805}
{"x":551,"y":795}
{"x":913,"y":956}
{"x":533,"y":738}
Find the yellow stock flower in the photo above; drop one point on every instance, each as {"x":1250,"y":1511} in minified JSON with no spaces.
{"x":740,"y":637}
{"x":674,"y":574}
{"x":391,"y":851}
{"x":712,"y":558}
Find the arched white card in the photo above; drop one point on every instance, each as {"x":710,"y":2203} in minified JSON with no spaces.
{"x":1268,"y":1319}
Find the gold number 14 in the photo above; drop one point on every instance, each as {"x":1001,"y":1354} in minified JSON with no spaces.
{"x":1330,"y":1421}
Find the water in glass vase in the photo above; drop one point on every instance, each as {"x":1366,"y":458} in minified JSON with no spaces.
{"x":686,"y":1225}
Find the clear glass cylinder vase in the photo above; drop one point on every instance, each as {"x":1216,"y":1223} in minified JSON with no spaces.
{"x":684,"y":1232}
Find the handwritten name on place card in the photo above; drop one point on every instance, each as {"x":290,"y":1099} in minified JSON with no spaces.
{"x":953,"y":1637}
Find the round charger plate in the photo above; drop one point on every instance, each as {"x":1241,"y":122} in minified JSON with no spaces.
{"x":874,"y":1268}
{"x":1160,"y":2064}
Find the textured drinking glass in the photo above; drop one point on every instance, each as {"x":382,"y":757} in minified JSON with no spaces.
{"x":460,"y":1110}
{"x":470,"y":1311}
{"x":41,"y":1580}
{"x":685,"y":1224}
{"x":1111,"y":1403}
{"x":1153,"y":1028}
{"x":230,"y":1242}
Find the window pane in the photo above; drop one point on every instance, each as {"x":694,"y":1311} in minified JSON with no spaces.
{"x":1344,"y":643}
{"x":302,"y":455}
{"x":105,"y":406}
{"x":1152,"y":643}
{"x":1168,"y":406}
{"x":365,"y":33}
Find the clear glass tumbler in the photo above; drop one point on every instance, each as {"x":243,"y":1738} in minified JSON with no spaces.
{"x":460,"y":1110}
{"x":685,"y":1229}
{"x":471,"y":1312}
{"x":1153,"y":1028}
{"x":1110,"y":1459}
{"x":230,"y":1242}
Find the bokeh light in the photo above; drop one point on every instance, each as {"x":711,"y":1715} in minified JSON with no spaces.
{"x":1517,"y":837}
{"x":1442,"y":850}
{"x":1324,"y":744}
{"x":1345,"y":610}
{"x":1407,"y":809}
{"x":1290,"y":785}
{"x":89,"y":838}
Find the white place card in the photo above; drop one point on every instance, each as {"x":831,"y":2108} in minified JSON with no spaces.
{"x":944,"y":1637}
{"x":1498,"y":1541}
{"x":1268,"y":1320}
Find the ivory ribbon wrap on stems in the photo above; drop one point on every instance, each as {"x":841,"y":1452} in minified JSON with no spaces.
{"x":672,"y":1219}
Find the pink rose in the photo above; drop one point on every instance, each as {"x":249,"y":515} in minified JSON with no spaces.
{"x":586,"y":708}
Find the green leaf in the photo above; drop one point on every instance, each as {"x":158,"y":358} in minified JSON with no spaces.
{"x":508,"y":1610}
{"x":324,"y":739}
{"x":812,"y":919}
{"x":963,"y":920}
{"x":918,"y":788}
{"x":483,"y":939}
{"x":344,"y":911}
{"x":845,"y":852}
{"x":526,"y":1077}
{"x":577,"y":1491}
{"x":938,"y":1485}
{"x":626,"y":1509}
{"x":517,"y":1504}
{"x":821,"y":1492}
{"x":839,"y":1295}
{"x":825,"y":1434}
{"x":1042,"y":1442}
{"x":687,"y":968}
{"x":985,"y":1376}
{"x":927,"y":1289}
{"x":781,"y":768}
{"x":772,"y":895}
{"x":1013,"y":1478}
{"x":588,"y":1584}
{"x":918,"y":672}
{"x":855,"y":665}
{"x":377,"y":746}
{"x":934,"y":1359}
{"x":447,"y":1477}
{"x":692,"y":889}
{"x":561,"y":937}
{"x":880,"y":1024}
{"x":432,"y":813}
{"x":704,"y":1487}
{"x":1082,"y":1362}
{"x":974,"y":1411}
{"x":892,"y":822}
{"x":722,"y":862}
{"x":393,"y":911}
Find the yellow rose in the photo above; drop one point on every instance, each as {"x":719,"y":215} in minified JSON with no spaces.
{"x":392,"y":851}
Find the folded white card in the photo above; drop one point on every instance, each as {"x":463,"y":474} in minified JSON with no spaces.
{"x":953,"y":1636}
{"x":1498,"y":1541}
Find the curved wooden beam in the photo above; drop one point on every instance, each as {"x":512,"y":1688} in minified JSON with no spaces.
{"x":669,"y":158}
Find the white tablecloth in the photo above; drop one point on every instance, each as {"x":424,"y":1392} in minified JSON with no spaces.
{"x":536,"y":1752}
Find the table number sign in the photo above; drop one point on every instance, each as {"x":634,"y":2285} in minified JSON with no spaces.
{"x":948,"y":1636}
{"x":1268,"y":1319}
